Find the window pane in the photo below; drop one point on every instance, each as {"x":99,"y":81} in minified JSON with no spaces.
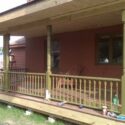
{"x":117,"y":50}
{"x":55,"y":51}
{"x":103,"y":50}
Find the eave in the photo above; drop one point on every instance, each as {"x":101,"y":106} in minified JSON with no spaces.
{"x":64,"y":15}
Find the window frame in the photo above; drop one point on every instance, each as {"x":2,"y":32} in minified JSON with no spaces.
{"x":110,"y":45}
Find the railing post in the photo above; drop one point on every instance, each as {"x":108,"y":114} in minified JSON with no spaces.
{"x":123,"y":76}
{"x":48,"y":72}
{"x":6,"y":39}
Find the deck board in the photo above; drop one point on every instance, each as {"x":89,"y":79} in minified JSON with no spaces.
{"x":63,"y":113}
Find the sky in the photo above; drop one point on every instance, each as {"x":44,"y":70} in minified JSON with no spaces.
{"x":6,"y":5}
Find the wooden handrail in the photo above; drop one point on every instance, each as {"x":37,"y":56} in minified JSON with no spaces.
{"x":87,"y":77}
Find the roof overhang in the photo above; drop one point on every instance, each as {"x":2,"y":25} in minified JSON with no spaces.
{"x":64,"y":15}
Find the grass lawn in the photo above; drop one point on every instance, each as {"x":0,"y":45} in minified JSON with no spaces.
{"x":16,"y":116}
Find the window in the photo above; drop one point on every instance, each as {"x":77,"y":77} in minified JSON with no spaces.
{"x":109,"y":49}
{"x":55,"y":51}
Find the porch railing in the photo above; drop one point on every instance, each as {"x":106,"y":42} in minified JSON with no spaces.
{"x":92,"y":92}
{"x":27,"y":83}
{"x":2,"y":86}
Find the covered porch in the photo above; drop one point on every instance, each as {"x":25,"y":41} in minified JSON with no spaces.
{"x":91,"y":87}
{"x":91,"y":92}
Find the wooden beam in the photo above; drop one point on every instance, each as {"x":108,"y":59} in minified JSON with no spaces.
{"x":6,"y":39}
{"x":48,"y":72}
{"x":123,"y":76}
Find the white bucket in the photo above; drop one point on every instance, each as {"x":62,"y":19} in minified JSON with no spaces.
{"x":104,"y":110}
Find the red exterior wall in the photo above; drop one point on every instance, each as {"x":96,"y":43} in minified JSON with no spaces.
{"x":19,"y":53}
{"x":78,"y":53}
{"x":35,"y":55}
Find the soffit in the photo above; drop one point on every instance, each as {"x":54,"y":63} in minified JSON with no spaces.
{"x":64,"y":15}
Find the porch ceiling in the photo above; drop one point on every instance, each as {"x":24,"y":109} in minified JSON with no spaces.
{"x":64,"y":15}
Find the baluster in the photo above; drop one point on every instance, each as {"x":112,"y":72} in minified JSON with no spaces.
{"x":76,"y":90}
{"x":68,"y":92}
{"x":72,"y":94}
{"x":80,"y":82}
{"x":10,"y":82}
{"x":11,"y":88}
{"x":26,"y":80}
{"x":90,"y":92}
{"x":0,"y":81}
{"x":105,"y":93}
{"x":42,"y":83}
{"x":29,"y":80}
{"x":13,"y":80}
{"x":19,"y":82}
{"x":25,"y":85}
{"x":25,"y":90}
{"x":100,"y":94}
{"x":52,"y":89}
{"x":58,"y":80}
{"x":70,"y":89}
{"x":85,"y":94}
{"x":39,"y":89}
{"x":10,"y":76}
{"x":94,"y":93}
{"x":60,"y":90}
{"x":20,"y":85}
{"x":28,"y":84}
{"x":15,"y":77}
{"x":64,"y":89}
{"x":16,"y":81}
{"x":117,"y":89}
{"x":36,"y":90}
{"x":111,"y":86}
{"x":3,"y":81}
{"x":33,"y":82}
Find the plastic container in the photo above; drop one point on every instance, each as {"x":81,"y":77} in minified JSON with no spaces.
{"x":121,"y":118}
{"x":104,"y":110}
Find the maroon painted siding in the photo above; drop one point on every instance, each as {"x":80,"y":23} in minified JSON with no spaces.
{"x":35,"y":54}
{"x":19,"y":53}
{"x":78,"y":53}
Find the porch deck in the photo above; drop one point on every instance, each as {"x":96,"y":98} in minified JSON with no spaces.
{"x":67,"y":112}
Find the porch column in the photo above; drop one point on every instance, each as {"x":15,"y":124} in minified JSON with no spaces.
{"x":123,"y":76}
{"x":6,"y":39}
{"x":48,"y":73}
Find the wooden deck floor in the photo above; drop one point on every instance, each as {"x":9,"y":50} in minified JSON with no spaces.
{"x":67,"y":112}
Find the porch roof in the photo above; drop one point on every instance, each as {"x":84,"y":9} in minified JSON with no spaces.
{"x":65,"y":15}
